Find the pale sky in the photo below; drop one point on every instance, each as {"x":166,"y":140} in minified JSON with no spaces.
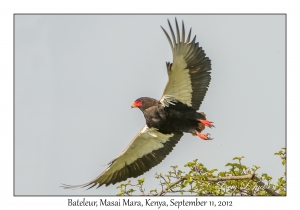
{"x":77,"y":75}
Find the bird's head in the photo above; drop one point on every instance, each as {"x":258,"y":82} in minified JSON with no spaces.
{"x":144,"y":103}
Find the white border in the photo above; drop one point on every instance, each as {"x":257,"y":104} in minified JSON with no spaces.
{"x":8,"y":8}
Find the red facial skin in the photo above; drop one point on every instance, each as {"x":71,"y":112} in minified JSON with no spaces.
{"x":135,"y":104}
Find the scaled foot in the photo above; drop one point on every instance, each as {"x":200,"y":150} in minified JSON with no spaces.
{"x":204,"y":136}
{"x":207,"y":123}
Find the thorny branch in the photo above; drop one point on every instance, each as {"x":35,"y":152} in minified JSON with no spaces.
{"x":266,"y":188}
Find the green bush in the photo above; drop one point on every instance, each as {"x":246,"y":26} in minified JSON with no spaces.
{"x":238,"y":180}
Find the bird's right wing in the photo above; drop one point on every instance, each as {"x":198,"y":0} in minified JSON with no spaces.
{"x":189,"y":74}
{"x":146,"y":150}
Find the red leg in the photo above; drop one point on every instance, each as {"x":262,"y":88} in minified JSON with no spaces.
{"x":204,"y":136}
{"x":207,"y":123}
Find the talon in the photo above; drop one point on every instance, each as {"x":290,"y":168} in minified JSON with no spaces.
{"x":204,"y":136}
{"x":207,"y":123}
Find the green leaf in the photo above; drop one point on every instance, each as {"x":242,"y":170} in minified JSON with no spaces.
{"x":141,"y":181}
{"x":237,"y":165}
{"x":238,"y":158}
{"x":185,"y":183}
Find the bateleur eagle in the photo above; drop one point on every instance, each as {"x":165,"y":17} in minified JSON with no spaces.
{"x":168,"y":118}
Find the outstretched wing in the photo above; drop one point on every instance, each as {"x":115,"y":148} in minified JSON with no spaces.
{"x":189,"y":75}
{"x":145,"y":151}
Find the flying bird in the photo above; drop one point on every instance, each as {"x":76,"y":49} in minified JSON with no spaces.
{"x":168,"y":118}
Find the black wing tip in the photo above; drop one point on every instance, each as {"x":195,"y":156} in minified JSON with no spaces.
{"x":75,"y":187}
{"x":164,"y":30}
{"x":183,"y":31}
{"x":194,"y":40}
{"x":70,"y":187}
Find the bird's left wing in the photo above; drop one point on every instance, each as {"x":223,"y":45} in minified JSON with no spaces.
{"x":146,"y":150}
{"x":189,"y":74}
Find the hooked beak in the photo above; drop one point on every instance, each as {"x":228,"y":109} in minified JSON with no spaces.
{"x":133,"y":105}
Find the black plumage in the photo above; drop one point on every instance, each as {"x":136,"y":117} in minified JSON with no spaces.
{"x":178,"y":117}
